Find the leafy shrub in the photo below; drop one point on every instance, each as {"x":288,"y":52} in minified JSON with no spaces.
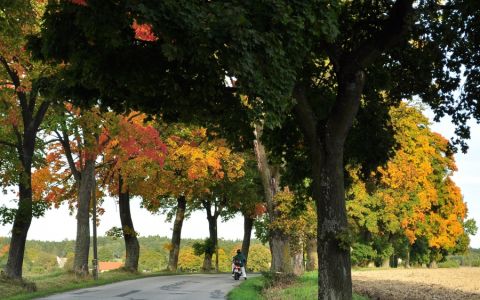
{"x":274,"y":279}
{"x":362,"y":254}
{"x":475,"y":263}
{"x":258,"y":258}
{"x":449,"y":264}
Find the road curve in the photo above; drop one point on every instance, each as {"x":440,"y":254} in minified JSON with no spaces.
{"x":178,"y":287}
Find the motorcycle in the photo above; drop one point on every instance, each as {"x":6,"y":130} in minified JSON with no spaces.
{"x":237,"y":271}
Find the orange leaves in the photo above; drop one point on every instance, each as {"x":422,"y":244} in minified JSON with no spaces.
{"x":195,"y":163}
{"x":4,"y":250}
{"x":260,"y":209}
{"x":48,"y":184}
{"x":445,"y":231}
{"x":415,"y":194}
{"x":144,"y":32}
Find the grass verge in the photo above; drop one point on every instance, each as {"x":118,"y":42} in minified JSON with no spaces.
{"x":39,"y":286}
{"x":249,"y":289}
{"x":305,"y":287}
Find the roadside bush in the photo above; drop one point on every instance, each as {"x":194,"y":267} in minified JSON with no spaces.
{"x":273,"y":279}
{"x":449,"y":264}
{"x":476,"y":263}
{"x":362,"y":254}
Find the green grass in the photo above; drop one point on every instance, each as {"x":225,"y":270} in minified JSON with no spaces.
{"x":304,"y":288}
{"x":250,"y":289}
{"x":60,"y":282}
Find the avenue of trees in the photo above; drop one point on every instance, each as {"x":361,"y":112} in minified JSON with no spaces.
{"x":292,"y":113}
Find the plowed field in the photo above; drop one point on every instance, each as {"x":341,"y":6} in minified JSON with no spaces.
{"x":413,"y":284}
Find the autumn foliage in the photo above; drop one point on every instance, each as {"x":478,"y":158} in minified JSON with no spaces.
{"x":412,"y":200}
{"x":144,"y":32}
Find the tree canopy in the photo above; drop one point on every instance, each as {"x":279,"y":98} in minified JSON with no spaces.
{"x":316,"y":60}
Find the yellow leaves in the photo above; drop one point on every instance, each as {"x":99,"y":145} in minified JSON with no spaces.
{"x":445,"y":231}
{"x":415,"y":193}
{"x":296,"y":223}
{"x":168,"y":246}
{"x":200,"y":163}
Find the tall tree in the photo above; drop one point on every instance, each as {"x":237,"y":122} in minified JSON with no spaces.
{"x":270,"y":176}
{"x":226,"y":168}
{"x":23,"y":105}
{"x":191,"y":165}
{"x":133,"y":152}
{"x":71,"y":165}
{"x":411,"y":203}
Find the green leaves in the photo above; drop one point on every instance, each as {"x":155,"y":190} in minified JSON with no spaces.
{"x":206,"y":247}
{"x":7,"y":215}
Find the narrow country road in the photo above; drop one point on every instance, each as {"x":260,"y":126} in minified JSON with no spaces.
{"x":195,"y":287}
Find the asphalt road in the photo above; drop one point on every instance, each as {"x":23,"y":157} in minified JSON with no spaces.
{"x":195,"y":287}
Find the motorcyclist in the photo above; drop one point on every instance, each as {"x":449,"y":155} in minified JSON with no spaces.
{"x":241,"y":260}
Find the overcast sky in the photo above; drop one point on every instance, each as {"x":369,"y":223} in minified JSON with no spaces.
{"x":59,"y":225}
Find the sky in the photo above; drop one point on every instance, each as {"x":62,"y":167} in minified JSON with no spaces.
{"x":58,"y":225}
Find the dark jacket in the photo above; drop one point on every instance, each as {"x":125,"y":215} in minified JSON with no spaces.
{"x":240,"y":258}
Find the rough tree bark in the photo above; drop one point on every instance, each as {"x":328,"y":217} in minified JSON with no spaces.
{"x":176,"y":234}
{"x":212,"y":229}
{"x":312,"y":257}
{"x":270,"y":175}
{"x":297,"y":262}
{"x":132,"y":247}
{"x":247,"y":234}
{"x":21,"y":224}
{"x":212,"y":218}
{"x":82,"y":241}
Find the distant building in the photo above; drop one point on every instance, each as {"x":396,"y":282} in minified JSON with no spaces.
{"x":104,"y":266}
{"x":61,"y":261}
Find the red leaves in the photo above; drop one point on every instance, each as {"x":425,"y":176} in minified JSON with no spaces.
{"x":141,"y":140}
{"x":260,"y":209}
{"x":79,"y":2}
{"x":144,"y":32}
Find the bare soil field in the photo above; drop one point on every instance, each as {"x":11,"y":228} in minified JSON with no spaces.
{"x":413,"y":284}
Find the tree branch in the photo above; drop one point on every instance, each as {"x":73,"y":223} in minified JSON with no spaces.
{"x":346,"y":106}
{"x":8,"y":144}
{"x":392,"y":32}
{"x":304,"y":113}
{"x":51,"y":141}
{"x":63,"y":137}
{"x":38,"y":118}
{"x":20,"y":94}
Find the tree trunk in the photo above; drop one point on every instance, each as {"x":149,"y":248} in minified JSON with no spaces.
{"x":297,"y":261}
{"x":176,"y":234}
{"x":312,"y":257}
{"x":82,"y":242}
{"x":212,"y":229}
{"x":21,"y":224}
{"x":280,"y":250}
{"x":386,"y":262}
{"x":326,"y":139}
{"x":247,"y":234}
{"x":279,"y":241}
{"x":132,"y":248}
{"x":334,"y":274}
{"x":433,"y":264}
{"x":407,"y":259}
{"x":32,"y":116}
